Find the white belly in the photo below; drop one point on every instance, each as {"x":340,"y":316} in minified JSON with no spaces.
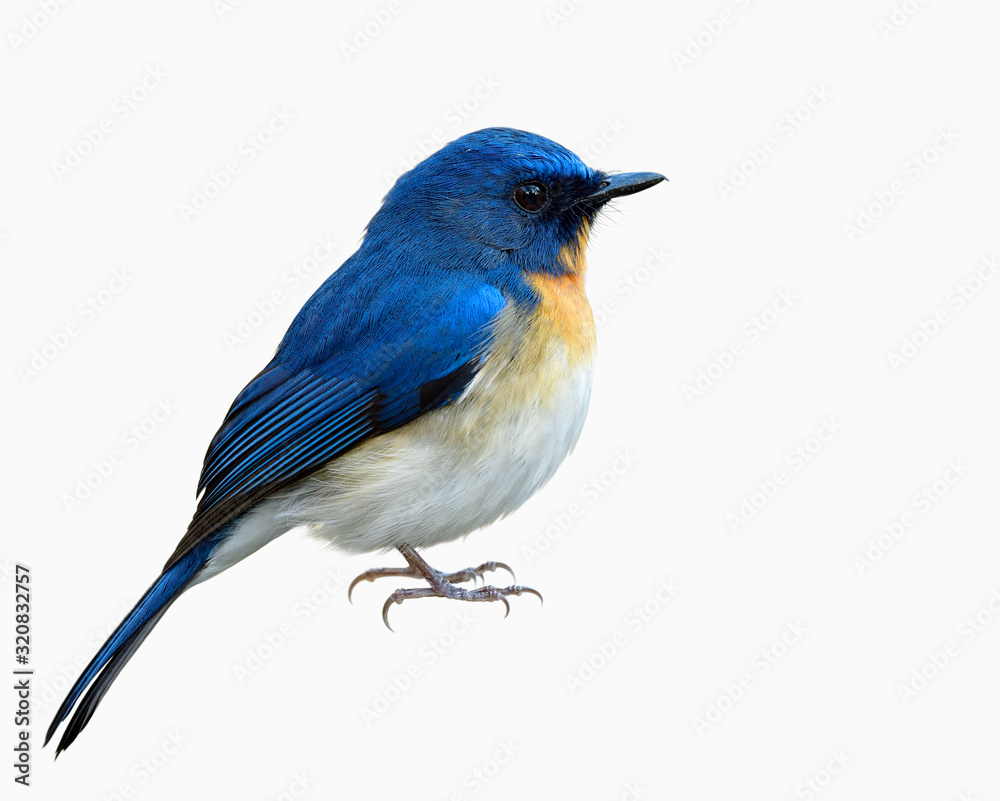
{"x":453,"y":470}
{"x":450,"y":471}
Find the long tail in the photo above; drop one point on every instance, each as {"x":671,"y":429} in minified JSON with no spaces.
{"x":127,"y":638}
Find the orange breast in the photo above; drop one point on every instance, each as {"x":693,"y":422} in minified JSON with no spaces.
{"x":564,"y":312}
{"x":536,"y":355}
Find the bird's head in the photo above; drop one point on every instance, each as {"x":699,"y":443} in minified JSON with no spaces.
{"x":501,"y":196}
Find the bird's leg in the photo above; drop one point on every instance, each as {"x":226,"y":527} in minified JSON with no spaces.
{"x":441,"y":585}
{"x":418,"y":568}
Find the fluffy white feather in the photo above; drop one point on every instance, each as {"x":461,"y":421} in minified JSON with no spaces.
{"x":452,"y":470}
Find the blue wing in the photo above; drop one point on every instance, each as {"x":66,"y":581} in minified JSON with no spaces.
{"x":373,"y":349}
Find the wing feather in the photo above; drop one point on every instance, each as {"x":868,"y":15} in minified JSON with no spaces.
{"x":306,"y":409}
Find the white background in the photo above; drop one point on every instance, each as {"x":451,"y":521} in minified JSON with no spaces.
{"x":537,"y":705}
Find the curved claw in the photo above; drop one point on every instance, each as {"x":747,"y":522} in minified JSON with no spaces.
{"x":506,"y":567}
{"x":469,"y":574}
{"x":532,"y":592}
{"x":350,"y":589}
{"x":385,"y":611}
{"x":506,"y":603}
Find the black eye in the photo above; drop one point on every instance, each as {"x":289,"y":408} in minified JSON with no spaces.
{"x":531,"y":196}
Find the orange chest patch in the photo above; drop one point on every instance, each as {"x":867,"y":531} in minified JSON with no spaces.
{"x":564,"y":313}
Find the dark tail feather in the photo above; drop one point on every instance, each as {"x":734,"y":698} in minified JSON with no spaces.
{"x":124,"y":642}
{"x":81,"y":717}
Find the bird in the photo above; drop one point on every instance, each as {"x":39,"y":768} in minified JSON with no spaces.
{"x":430,"y":386}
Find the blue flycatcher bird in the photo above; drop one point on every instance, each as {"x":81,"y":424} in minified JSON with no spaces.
{"x":429,"y":387}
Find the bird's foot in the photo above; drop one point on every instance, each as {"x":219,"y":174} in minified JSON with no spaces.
{"x":468,"y":574}
{"x":448,"y":590}
{"x":441,"y":585}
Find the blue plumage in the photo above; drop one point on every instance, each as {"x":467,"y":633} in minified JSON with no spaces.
{"x":329,"y":387}
{"x":124,"y":642}
{"x":472,"y":266}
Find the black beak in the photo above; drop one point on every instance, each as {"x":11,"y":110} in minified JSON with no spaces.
{"x":627,"y":183}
